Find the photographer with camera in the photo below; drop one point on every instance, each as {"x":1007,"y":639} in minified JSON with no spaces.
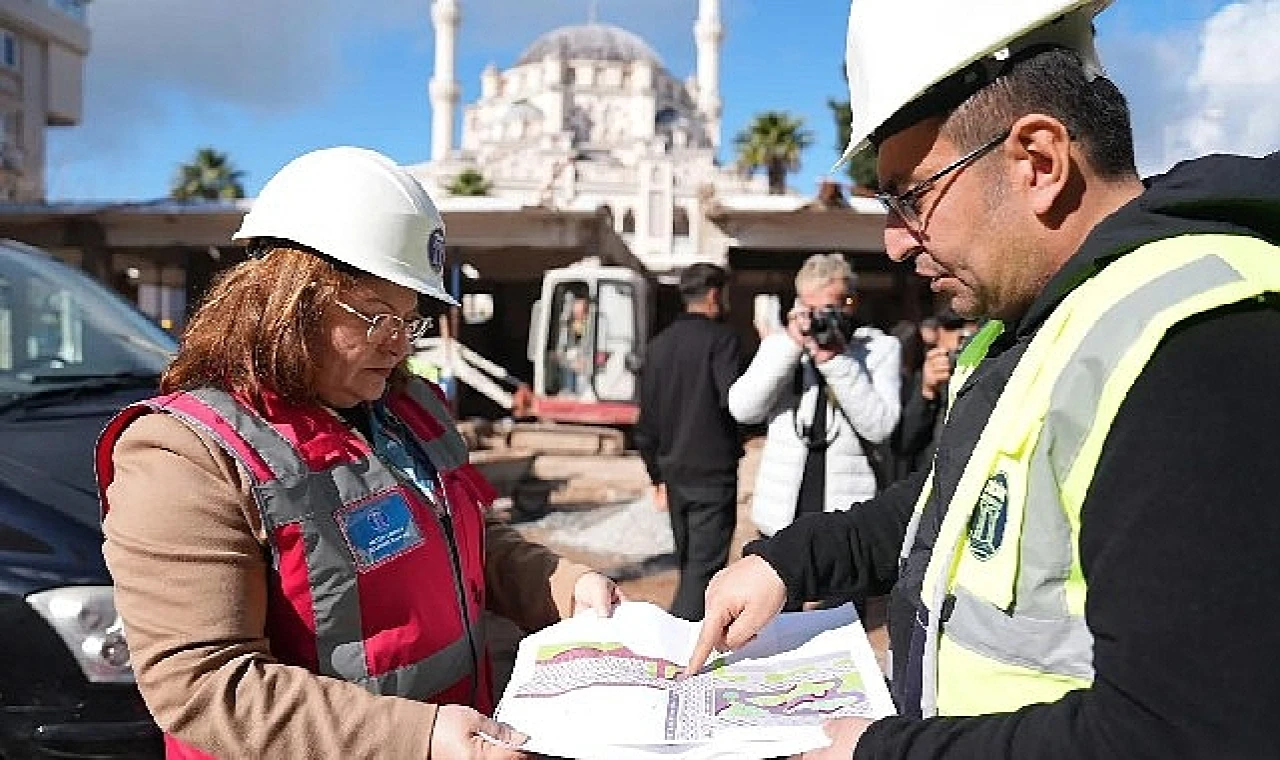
{"x":829,"y":390}
{"x":924,"y":400}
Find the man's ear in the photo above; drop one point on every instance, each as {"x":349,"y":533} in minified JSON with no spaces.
{"x":1042,"y":154}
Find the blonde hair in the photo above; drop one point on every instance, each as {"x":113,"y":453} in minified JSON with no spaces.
{"x":822,"y":268}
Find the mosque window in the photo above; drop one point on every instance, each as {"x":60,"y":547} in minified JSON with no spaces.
{"x":629,"y":222}
{"x":9,"y":50}
{"x":680,"y":222}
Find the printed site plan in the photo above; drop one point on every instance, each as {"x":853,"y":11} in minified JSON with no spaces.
{"x":596,"y":688}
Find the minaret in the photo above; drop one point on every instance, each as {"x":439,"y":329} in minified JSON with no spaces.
{"x":709,"y":34}
{"x":444,"y":87}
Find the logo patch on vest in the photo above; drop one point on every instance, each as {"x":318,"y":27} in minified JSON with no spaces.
{"x":986,"y":526}
{"x":379,"y":530}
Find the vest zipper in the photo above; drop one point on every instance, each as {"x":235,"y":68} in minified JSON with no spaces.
{"x":460,"y":585}
{"x":948,"y":607}
{"x":443,"y":513}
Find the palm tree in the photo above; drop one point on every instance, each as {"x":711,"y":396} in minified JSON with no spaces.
{"x":210,"y":176}
{"x":773,"y":141}
{"x":470,"y":182}
{"x":862,"y":167}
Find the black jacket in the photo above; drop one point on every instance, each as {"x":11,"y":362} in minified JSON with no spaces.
{"x":1180,"y":537}
{"x":685,"y":432}
{"x":918,"y":425}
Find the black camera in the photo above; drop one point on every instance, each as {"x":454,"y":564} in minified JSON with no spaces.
{"x":829,"y":326}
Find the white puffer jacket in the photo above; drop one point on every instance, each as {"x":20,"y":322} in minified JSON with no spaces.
{"x":864,"y":380}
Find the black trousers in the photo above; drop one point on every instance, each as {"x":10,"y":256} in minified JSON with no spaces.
{"x":702,"y":521}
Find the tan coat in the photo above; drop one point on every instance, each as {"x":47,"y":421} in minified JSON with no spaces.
{"x":186,"y":548}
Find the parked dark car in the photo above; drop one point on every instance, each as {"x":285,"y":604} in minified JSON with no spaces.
{"x":72,"y":353}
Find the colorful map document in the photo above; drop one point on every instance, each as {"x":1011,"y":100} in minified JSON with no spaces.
{"x":612,"y":688}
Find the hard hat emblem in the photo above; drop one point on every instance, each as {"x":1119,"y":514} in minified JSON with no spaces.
{"x":435,"y":251}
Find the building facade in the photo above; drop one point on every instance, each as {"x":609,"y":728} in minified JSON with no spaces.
{"x":43,"y":44}
{"x":590,"y":117}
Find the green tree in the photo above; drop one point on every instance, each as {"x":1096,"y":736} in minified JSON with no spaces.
{"x":209,"y":176}
{"x":862,"y":167}
{"x":773,"y":141}
{"x":470,"y":182}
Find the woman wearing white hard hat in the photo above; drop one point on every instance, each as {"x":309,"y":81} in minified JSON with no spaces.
{"x":300,"y":548}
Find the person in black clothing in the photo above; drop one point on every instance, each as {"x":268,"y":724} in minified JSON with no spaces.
{"x":911,"y":340}
{"x":689,"y":442}
{"x":924,"y":395}
{"x":1179,"y":523}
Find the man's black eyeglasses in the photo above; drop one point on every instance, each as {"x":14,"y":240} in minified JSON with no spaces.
{"x":906,"y":205}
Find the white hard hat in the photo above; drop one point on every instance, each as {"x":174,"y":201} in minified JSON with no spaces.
{"x":360,"y":208}
{"x":913,"y":52}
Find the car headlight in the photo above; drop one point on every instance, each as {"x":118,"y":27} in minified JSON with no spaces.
{"x":86,"y":619}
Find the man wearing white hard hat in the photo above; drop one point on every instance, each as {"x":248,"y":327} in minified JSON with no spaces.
{"x":1086,"y":568}
{"x":300,"y":548}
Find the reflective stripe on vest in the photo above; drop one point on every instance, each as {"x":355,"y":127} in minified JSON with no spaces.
{"x":970,"y":357}
{"x":1005,"y":571}
{"x":360,"y":621}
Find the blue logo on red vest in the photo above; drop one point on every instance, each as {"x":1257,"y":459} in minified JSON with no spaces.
{"x":378,"y":519}
{"x":379,"y":530}
{"x":986,"y":526}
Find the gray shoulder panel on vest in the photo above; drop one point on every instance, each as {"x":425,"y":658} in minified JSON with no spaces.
{"x":279,"y":454}
{"x":1047,"y":547}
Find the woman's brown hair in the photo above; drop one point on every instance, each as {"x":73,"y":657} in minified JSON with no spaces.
{"x":258,"y":327}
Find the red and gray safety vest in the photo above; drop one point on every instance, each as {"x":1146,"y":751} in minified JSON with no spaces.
{"x":359,"y":553}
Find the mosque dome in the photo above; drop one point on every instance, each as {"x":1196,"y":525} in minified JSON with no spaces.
{"x":592,"y":42}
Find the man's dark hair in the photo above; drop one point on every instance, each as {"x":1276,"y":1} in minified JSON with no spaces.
{"x":699,"y":278}
{"x":1051,"y":81}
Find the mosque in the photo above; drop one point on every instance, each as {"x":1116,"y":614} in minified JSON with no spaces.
{"x":589,"y":117}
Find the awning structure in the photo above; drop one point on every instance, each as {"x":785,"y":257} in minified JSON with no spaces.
{"x":163,"y":254}
{"x":506,"y":242}
{"x":503,"y":241}
{"x":799,"y":224}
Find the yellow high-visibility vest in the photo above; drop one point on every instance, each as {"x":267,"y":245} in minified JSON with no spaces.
{"x":1004,"y":588}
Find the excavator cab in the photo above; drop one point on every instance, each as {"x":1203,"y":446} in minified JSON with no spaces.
{"x":586,"y":341}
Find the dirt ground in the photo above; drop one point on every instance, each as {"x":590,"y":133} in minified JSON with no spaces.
{"x":654,"y":580}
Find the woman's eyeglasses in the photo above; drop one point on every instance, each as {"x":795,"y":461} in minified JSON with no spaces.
{"x":387,"y":327}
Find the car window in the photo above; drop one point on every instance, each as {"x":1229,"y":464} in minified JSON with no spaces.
{"x":58,"y":323}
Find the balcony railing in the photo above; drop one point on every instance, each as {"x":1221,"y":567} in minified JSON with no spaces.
{"x":76,"y":9}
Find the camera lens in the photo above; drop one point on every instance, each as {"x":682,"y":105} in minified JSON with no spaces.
{"x":824,"y":326}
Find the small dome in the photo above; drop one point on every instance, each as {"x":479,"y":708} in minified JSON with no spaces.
{"x":592,"y":42}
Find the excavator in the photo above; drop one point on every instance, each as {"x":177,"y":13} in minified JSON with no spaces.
{"x":587,"y":335}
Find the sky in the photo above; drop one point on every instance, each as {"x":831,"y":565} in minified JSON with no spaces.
{"x":267,"y":80}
